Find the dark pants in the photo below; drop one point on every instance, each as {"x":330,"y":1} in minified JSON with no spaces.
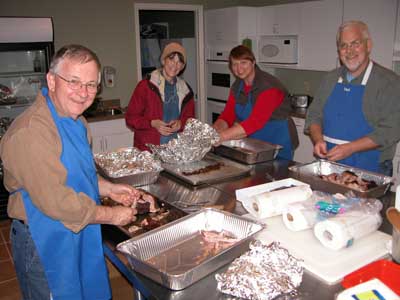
{"x":29,"y":269}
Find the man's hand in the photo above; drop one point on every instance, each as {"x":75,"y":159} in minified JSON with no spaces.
{"x":124,"y":194}
{"x":340,"y":152}
{"x":116,"y":215}
{"x":320,"y":149}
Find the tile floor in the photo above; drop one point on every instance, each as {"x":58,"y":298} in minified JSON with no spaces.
{"x":9,"y":288}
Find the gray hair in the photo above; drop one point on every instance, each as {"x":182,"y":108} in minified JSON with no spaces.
{"x":75,"y":52}
{"x":353,"y":23}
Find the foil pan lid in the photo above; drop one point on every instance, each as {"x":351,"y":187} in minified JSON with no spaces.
{"x":192,"y":144}
{"x":127,"y":161}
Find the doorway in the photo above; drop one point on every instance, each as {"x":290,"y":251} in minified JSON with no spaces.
{"x":157,"y":24}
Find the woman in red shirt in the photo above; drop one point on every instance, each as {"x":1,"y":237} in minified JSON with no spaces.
{"x":162,"y":102}
{"x":257,"y":106}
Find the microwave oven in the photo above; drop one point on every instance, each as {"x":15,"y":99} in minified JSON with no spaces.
{"x":278,"y":49}
{"x":219,"y":80}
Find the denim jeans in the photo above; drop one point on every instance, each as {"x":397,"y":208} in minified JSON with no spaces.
{"x":386,"y":167}
{"x":29,"y":269}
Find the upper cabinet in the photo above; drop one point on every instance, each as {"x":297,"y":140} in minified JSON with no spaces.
{"x":230,"y":25}
{"x":380,"y":16}
{"x":319,"y":21}
{"x":314,"y":23}
{"x":278,"y":19}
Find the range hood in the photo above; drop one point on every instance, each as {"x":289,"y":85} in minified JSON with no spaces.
{"x":26,"y":30}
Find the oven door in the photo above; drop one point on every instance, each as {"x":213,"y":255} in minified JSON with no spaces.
{"x":219,"y":80}
{"x":214,"y":109}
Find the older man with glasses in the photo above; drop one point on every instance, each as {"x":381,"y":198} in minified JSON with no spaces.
{"x":354,"y":118}
{"x":54,"y":189}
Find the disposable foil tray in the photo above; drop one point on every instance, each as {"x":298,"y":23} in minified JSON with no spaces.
{"x":128,"y":165}
{"x":248,"y":150}
{"x":311,"y":172}
{"x":182,"y":259}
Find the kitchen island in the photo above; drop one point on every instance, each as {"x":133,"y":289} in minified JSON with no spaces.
{"x":219,"y":194}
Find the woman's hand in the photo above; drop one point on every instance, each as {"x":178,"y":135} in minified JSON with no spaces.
{"x":162,"y":127}
{"x":175,"y":125}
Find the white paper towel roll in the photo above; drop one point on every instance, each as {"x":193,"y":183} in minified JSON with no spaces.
{"x":340,"y":231}
{"x":271,"y":204}
{"x":299,"y":216}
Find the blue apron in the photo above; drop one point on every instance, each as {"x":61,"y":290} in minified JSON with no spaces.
{"x":274,"y":131}
{"x":344,"y":121}
{"x":74,"y":263}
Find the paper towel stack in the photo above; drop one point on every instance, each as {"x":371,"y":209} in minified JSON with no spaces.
{"x":273,"y":203}
{"x":340,"y":231}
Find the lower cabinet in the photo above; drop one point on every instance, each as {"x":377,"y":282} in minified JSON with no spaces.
{"x":110,"y":135}
{"x":304,"y":152}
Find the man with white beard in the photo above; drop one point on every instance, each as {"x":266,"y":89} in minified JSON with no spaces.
{"x":355,"y":116}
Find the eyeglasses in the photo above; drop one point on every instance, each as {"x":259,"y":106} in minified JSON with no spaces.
{"x":353,"y":45}
{"x":76,"y":84}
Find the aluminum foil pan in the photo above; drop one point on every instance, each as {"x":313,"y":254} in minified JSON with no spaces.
{"x":312,"y":172}
{"x":249,"y":150}
{"x":192,"y":144}
{"x":128,"y":165}
{"x":175,"y":256}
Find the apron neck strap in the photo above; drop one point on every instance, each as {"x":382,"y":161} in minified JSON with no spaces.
{"x":366,"y":74}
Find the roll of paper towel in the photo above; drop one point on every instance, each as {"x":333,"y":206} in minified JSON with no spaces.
{"x":341,"y":231}
{"x":272,"y":203}
{"x":300,"y":215}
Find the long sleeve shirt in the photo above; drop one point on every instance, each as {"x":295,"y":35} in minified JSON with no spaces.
{"x":381,"y":105}
{"x":30,"y":151}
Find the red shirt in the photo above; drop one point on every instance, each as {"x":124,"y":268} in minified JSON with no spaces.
{"x":265,"y":104}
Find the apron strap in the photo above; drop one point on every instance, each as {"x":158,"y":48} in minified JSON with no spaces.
{"x":334,"y":141}
{"x":366,"y":74}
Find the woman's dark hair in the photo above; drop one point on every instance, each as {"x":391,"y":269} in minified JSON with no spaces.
{"x":241,"y":52}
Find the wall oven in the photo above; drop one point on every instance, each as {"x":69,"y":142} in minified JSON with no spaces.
{"x":219,"y":81}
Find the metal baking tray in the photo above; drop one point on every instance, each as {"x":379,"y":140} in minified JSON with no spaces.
{"x":248,"y":150}
{"x":112,"y":166}
{"x":228,"y":169}
{"x":137,"y":179}
{"x":176,"y":247}
{"x":310,"y":173}
{"x":174,"y":214}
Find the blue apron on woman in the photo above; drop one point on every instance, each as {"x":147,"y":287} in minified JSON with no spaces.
{"x":344,"y":121}
{"x":74,"y":263}
{"x":274,"y":131}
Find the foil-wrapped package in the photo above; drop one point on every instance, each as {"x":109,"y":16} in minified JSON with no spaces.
{"x":262,"y":273}
{"x":127,"y":161}
{"x":192,"y":144}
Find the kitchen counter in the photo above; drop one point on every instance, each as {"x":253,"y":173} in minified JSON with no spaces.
{"x":172,"y":190}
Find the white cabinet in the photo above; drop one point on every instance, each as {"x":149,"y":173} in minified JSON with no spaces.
{"x":380,"y":16}
{"x":304,"y":152}
{"x":230,"y":25}
{"x":226,"y":28}
{"x":110,"y":135}
{"x":319,"y":21}
{"x":278,"y":19}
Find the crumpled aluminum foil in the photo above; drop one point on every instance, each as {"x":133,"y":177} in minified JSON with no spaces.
{"x":127,"y":161}
{"x":192,"y":144}
{"x":262,"y":273}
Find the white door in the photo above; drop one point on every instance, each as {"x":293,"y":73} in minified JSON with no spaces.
{"x":199,"y":38}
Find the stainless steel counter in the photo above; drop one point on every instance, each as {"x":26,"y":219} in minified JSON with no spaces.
{"x":173,"y":191}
